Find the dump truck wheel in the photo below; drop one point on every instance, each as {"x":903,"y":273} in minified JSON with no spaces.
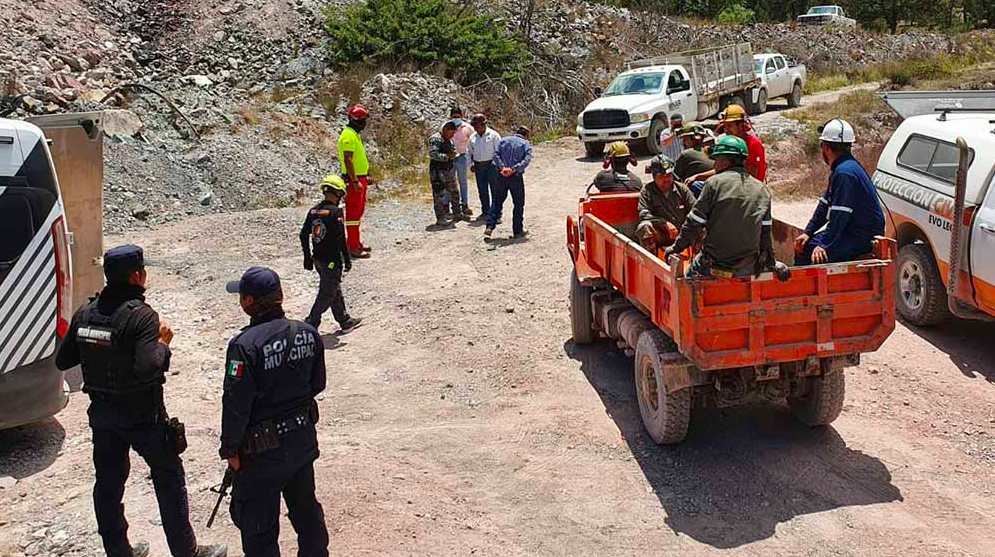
{"x":760,"y":106}
{"x":919,"y":293}
{"x":581,"y":313}
{"x":594,"y":149}
{"x":795,"y":98}
{"x":665,"y":415}
{"x":824,"y":400}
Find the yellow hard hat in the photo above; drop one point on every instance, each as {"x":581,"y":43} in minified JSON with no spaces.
{"x":619,"y":150}
{"x":333,"y":182}
{"x":733,"y":113}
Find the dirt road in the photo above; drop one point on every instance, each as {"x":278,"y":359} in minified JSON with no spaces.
{"x":461,"y":419}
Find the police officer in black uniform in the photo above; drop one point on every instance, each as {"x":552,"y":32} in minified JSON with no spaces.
{"x":123,"y":349}
{"x":274,"y":369}
{"x":323,"y":228}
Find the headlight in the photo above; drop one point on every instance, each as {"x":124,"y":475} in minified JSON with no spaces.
{"x":637,"y":118}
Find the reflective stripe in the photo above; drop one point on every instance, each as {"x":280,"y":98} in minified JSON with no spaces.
{"x":697,"y":218}
{"x":331,"y":265}
{"x":767,"y":223}
{"x":352,"y":222}
{"x":823,"y":201}
{"x":840,"y":208}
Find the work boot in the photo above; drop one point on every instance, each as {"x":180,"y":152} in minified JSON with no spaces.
{"x":364,"y":247}
{"x":488,"y":231}
{"x":521,"y":235}
{"x":359,"y":254}
{"x":219,"y":550}
{"x":482,"y":216}
{"x":462,"y":217}
{"x":351,"y":325}
{"x":140,"y":549}
{"x":443,"y":222}
{"x":467,"y":212}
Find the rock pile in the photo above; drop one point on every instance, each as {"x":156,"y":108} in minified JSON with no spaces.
{"x":422,"y":98}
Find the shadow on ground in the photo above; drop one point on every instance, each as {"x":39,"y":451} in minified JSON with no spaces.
{"x":29,"y":449}
{"x":740,"y":472}
{"x":967,"y":343}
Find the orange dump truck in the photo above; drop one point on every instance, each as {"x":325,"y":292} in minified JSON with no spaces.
{"x":724,"y":342}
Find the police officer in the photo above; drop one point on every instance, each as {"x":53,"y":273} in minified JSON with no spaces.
{"x":616,"y":177}
{"x":324,"y":230}
{"x":664,"y":204}
{"x":274,"y":369}
{"x":123,"y":349}
{"x":734,"y":207}
{"x":849,"y":209}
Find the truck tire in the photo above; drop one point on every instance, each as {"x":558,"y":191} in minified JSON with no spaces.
{"x":594,"y":149}
{"x":824,"y":401}
{"x":795,"y":98}
{"x":920,"y":294}
{"x":736,"y":99}
{"x":665,"y":415}
{"x":581,"y":313}
{"x":653,"y":139}
{"x":760,"y":106}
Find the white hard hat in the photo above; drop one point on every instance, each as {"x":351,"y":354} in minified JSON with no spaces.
{"x":837,"y":130}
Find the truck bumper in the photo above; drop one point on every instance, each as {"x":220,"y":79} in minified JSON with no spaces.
{"x":631,"y":132}
{"x":31,"y":393}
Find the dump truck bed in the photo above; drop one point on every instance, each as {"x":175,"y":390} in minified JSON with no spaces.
{"x":822,"y":311}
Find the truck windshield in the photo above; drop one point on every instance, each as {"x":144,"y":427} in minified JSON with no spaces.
{"x":758,"y":65}
{"x":635,"y":84}
{"x":823,"y":10}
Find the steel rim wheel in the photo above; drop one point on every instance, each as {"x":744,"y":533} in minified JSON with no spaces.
{"x":649,"y":389}
{"x":910,"y":283}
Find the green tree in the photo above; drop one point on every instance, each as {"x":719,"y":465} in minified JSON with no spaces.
{"x":737,"y":14}
{"x":426,"y":32}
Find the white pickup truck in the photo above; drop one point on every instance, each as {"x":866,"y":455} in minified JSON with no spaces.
{"x":919,"y":182}
{"x":779,"y":77}
{"x":826,"y":15}
{"x":637,"y":105}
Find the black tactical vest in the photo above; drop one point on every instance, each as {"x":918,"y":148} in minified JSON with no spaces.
{"x":108,"y":362}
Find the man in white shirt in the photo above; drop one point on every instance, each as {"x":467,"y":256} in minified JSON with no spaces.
{"x":670,"y":141}
{"x":483,"y":144}
{"x":462,"y":161}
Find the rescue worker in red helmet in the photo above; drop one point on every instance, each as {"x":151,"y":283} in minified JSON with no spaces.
{"x":355,"y":171}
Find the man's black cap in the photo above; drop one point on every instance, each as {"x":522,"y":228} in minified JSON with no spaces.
{"x":256,"y":282}
{"x":121,"y":261}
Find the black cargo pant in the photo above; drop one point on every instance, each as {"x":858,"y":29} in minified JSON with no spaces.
{"x":255,"y":504}
{"x":114,"y":434}
{"x":329,"y":295}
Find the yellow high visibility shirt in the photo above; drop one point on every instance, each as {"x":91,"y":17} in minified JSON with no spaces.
{"x":349,"y":141}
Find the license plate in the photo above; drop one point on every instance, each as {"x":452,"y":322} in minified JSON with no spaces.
{"x":603,"y":136}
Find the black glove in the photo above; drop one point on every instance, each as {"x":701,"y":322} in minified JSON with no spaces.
{"x":782,"y":271}
{"x":308,"y":264}
{"x":347,"y":267}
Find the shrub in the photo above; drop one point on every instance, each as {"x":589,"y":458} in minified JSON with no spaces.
{"x":468,"y":48}
{"x":737,"y":14}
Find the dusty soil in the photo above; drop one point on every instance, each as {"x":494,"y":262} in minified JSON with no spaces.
{"x":462,"y":420}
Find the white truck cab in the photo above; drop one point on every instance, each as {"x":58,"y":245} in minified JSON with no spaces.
{"x":779,"y":77}
{"x":636,"y":106}
{"x":916,"y":177}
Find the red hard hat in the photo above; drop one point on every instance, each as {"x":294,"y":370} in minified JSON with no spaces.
{"x":359,"y":112}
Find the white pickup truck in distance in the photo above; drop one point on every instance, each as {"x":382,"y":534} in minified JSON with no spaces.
{"x":779,"y":77}
{"x":826,"y":15}
{"x":917,"y":179}
{"x":637,"y":105}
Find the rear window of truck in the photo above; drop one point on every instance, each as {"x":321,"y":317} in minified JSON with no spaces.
{"x":932,"y":157}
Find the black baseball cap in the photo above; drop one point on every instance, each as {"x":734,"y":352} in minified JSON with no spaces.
{"x":256,"y":282}
{"x":121,"y":261}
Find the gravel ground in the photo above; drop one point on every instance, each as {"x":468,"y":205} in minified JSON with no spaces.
{"x":461,"y":419}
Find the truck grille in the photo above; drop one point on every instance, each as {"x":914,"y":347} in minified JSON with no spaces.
{"x":605,"y":119}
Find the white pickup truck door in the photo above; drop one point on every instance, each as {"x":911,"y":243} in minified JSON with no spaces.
{"x":680,"y":96}
{"x":783,"y":76}
{"x":983,"y":251}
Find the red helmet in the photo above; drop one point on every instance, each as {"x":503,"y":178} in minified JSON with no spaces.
{"x":359,"y":112}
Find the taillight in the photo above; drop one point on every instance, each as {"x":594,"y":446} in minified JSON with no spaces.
{"x":63,"y":276}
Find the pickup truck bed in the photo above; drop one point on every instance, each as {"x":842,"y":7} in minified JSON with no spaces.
{"x":724,"y":342}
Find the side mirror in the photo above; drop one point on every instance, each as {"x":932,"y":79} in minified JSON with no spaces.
{"x":598,"y":91}
{"x":771,"y":70}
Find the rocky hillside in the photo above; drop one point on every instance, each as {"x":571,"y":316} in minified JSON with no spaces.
{"x":251,"y":77}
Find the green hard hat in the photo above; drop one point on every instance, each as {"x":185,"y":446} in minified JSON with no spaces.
{"x":730,"y":145}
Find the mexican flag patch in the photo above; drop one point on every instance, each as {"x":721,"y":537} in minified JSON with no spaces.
{"x":236,"y":369}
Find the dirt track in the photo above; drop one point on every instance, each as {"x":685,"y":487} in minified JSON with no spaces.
{"x":461,"y":419}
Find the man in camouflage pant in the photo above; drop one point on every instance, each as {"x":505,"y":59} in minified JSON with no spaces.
{"x":442,"y":173}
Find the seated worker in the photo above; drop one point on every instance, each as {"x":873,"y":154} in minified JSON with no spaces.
{"x":732,"y":121}
{"x":734,"y":208}
{"x":616,"y":177}
{"x":849,"y":209}
{"x":693,"y":160}
{"x":663,"y":206}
